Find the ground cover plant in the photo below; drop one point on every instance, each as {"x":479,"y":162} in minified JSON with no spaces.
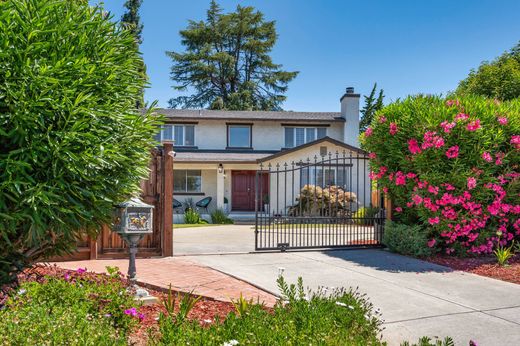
{"x":334,"y":317}
{"x":451,"y":165}
{"x":72,"y":143}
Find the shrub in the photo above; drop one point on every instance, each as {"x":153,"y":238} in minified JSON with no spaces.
{"x":314,"y":200}
{"x":72,"y":144}
{"x":193,"y":217}
{"x":452,"y":165}
{"x":75,"y":309}
{"x":338,"y":317}
{"x":407,"y":240}
{"x":364,"y":215}
{"x":219,"y":217}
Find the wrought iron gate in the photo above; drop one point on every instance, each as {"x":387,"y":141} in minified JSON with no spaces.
{"x":324,"y":202}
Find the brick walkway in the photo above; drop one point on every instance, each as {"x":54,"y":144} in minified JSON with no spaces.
{"x":184,"y":276}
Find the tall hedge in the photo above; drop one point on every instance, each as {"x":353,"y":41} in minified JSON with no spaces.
{"x":453,"y":165}
{"x":71,"y":142}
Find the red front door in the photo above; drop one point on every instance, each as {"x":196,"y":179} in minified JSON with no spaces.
{"x":243,"y":189}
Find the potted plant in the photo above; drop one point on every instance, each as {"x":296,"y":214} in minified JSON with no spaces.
{"x":265,"y":201}
{"x":226,"y":205}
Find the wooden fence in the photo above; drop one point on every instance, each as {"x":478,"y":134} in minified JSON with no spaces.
{"x":157,"y":190}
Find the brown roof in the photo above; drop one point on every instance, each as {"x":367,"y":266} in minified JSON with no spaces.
{"x":202,"y":114}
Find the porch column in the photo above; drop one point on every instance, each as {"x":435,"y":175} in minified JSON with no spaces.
{"x":220,"y":188}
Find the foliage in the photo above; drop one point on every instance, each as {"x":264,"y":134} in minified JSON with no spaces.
{"x":503,"y":254}
{"x":132,"y":22}
{"x":219,"y":217}
{"x":72,"y":143}
{"x":193,"y":217}
{"x":76,"y":309}
{"x":453,"y":165}
{"x":331,"y":317}
{"x":186,"y":304}
{"x":363,"y":215}
{"x":329,"y":201}
{"x":407,"y":240}
{"x":242,"y":305}
{"x":227,"y":64}
{"x":499,"y":79}
{"x":372,"y":105}
{"x":426,"y":341}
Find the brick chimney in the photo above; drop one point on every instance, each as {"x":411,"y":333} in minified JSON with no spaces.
{"x":350,"y":112}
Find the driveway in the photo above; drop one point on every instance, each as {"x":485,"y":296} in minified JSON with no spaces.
{"x":416,"y":298}
{"x":213,"y":239}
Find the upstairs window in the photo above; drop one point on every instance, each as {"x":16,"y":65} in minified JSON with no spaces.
{"x":239,"y":136}
{"x":182,"y":135}
{"x":295,"y":136}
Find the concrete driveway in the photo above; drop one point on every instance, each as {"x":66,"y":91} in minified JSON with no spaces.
{"x":213,"y":239}
{"x":416,"y":298}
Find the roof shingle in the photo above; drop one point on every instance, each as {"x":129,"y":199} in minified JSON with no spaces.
{"x":202,"y":114}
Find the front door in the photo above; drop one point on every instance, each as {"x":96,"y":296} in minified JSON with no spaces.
{"x":243,"y":190}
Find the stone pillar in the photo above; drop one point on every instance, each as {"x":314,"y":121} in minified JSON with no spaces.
{"x":220,"y":189}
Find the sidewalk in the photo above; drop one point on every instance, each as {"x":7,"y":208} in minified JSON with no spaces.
{"x":184,"y":276}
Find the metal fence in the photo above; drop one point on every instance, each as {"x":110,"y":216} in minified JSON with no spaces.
{"x":325,"y":202}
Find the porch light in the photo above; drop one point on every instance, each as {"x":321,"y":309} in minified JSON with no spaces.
{"x":220,"y":168}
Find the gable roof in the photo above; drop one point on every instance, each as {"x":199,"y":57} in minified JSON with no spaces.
{"x":203,"y":114}
{"x":309,"y":144}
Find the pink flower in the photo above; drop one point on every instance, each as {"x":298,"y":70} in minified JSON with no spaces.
{"x":461,"y":116}
{"x":372,"y":155}
{"x":453,"y":152}
{"x":66,"y":276}
{"x":393,"y":128}
{"x":140,"y":316}
{"x":131,"y":312}
{"x":431,"y":243}
{"x":400,"y":178}
{"x":502,"y":120}
{"x":451,"y":103}
{"x":499,"y":157}
{"x":446,"y":126}
{"x":487,"y":156}
{"x":433,"y":220}
{"x":413,"y":146}
{"x":398,"y":209}
{"x":474,"y":125}
{"x":368,"y":132}
{"x":385,"y":189}
{"x":433,"y":189}
{"x":417,"y":199}
{"x":81,"y":270}
{"x":472,"y":183}
{"x":515,"y":141}
{"x":382,"y":119}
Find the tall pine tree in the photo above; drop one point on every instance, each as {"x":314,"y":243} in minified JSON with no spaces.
{"x":372,"y":105}
{"x":226,"y":63}
{"x":132,"y":21}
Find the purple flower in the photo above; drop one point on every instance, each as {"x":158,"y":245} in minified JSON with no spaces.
{"x":81,"y":270}
{"x":66,"y":276}
{"x":140,"y":316}
{"x":131,"y":312}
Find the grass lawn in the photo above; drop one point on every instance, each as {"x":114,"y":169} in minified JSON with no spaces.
{"x":189,"y":225}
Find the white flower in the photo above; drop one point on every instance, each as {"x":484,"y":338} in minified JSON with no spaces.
{"x":208,"y":321}
{"x":22,"y":291}
{"x":230,"y":343}
{"x":345,"y":305}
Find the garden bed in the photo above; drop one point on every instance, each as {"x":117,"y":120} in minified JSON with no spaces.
{"x":484,"y":266}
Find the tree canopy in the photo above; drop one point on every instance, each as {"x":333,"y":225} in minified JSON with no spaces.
{"x":72,"y":143}
{"x":227,"y":63}
{"x":499,"y":79}
{"x":372,"y":105}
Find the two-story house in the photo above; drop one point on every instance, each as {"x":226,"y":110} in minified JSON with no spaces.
{"x":219,"y":152}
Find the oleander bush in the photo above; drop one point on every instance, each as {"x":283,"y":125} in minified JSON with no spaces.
{"x":336,"y":317}
{"x":452,"y":165}
{"x":78,"y":308}
{"x":72,"y":143}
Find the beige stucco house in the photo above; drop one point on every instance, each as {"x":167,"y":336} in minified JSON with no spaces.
{"x":219,"y":152}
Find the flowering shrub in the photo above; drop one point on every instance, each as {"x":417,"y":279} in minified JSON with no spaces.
{"x":452,"y":165}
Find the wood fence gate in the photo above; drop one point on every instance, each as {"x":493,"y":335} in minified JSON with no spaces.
{"x":157,"y":190}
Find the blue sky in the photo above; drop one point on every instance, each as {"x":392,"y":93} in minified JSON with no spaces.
{"x":406,"y":46}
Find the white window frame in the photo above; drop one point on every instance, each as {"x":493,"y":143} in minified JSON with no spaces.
{"x":176,"y":143}
{"x":248,"y":126}
{"x":312,"y":173}
{"x":185,"y":190}
{"x":305,"y":130}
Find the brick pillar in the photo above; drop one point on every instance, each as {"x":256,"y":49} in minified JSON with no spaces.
{"x":167,"y":246}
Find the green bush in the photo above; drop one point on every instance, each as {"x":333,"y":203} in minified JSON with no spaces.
{"x":76,"y":309}
{"x":407,"y":240}
{"x":72,"y":143}
{"x":364,"y":214}
{"x":337,"y":317}
{"x":219,"y":217}
{"x":451,"y":164}
{"x":193,"y":217}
